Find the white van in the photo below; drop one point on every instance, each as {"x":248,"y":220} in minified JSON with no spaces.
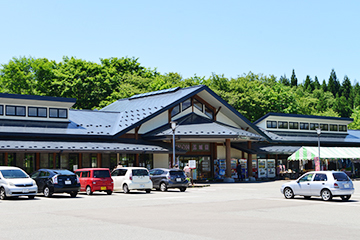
{"x":131,"y":178}
{"x":15,"y":182}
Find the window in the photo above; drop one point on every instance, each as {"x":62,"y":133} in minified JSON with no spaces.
{"x":340,"y":177}
{"x":314,"y":126}
{"x":320,"y":177}
{"x":37,"y":112}
{"x":57,"y":113}
{"x":140,"y":172}
{"x":304,"y":126}
{"x":85,"y":174}
{"x":324,"y":127}
{"x":333,"y":127}
{"x":293,"y":125}
{"x":186,"y":104}
{"x":1,"y":109}
{"x":15,"y":111}
{"x":283,"y":125}
{"x":342,"y":128}
{"x":198,"y":104}
{"x":175,"y":110}
{"x":306,"y":178}
{"x":101,"y":174}
{"x":271,"y":124}
{"x":115,"y":172}
{"x":122,"y":172}
{"x":208,"y":112}
{"x":78,"y":174}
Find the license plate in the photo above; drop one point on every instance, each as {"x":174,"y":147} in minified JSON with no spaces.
{"x":142,"y":185}
{"x":25,"y":190}
{"x":178,"y":179}
{"x":103,"y":188}
{"x":68,"y":182}
{"x":346,"y":185}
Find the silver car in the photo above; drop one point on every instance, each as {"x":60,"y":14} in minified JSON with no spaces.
{"x":326,"y":184}
{"x":15,"y":182}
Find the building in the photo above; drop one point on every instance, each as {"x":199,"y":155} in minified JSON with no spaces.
{"x":44,"y":132}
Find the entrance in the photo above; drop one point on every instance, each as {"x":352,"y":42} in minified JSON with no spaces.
{"x":203,"y":166}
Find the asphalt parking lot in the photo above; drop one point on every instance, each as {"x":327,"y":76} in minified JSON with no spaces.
{"x":220,"y":211}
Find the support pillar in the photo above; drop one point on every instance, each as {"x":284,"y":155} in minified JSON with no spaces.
{"x":228,"y":162}
{"x":37,"y":161}
{"x":54,"y":160}
{"x":249,"y":161}
{"x":80,"y":160}
{"x":6,"y":156}
{"x":98,"y":156}
{"x":137,"y":160}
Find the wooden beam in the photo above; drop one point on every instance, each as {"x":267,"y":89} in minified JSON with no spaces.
{"x":6,"y":156}
{"x":37,"y":161}
{"x":228,"y":158}
{"x":54,"y":160}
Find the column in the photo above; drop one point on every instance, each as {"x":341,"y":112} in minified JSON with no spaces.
{"x":98,"y":156}
{"x":228,"y":158}
{"x":249,"y":161}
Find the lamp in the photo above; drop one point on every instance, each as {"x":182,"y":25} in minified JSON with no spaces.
{"x":318,"y":131}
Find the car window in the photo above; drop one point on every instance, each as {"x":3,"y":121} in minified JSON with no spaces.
{"x":13,"y":173}
{"x":340,"y":176}
{"x":115,"y":172}
{"x":35,"y":174}
{"x":85,"y":174}
{"x":42,"y":174}
{"x":320,"y":177}
{"x":122,"y":172}
{"x":152,"y":172}
{"x":101,"y":174}
{"x":177,"y":173}
{"x":159,"y":172}
{"x":140,"y":172}
{"x":306,"y":178}
{"x":63,"y":172}
{"x":78,"y":174}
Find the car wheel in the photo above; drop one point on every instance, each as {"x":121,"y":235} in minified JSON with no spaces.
{"x":345,"y":197}
{"x":126,"y":188}
{"x":31,"y":197}
{"x":148,"y":190}
{"x":2,"y":194}
{"x":307,"y":197}
{"x":109,"y":192}
{"x":326,"y":195}
{"x":182,"y":189}
{"x":47,"y":192}
{"x":88,"y":190}
{"x":73,"y":194}
{"x":163,"y":187}
{"x":288,"y":193}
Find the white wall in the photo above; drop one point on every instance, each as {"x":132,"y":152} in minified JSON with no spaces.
{"x":154,"y":123}
{"x":221,"y":153}
{"x":161,"y":160}
{"x":222,"y":118}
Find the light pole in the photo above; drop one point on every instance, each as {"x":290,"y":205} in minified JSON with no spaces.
{"x":318,"y":131}
{"x":173,"y":127}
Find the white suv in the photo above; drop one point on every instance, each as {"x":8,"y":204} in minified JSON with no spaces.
{"x":15,"y":182}
{"x":131,"y":178}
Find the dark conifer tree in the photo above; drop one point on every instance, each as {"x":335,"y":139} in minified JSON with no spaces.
{"x":293,"y":81}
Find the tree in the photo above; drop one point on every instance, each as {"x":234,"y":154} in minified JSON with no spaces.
{"x":324,"y":86}
{"x":284,"y":80}
{"x":293,"y":78}
{"x":316,"y":84}
{"x":308,"y":84}
{"x":333,"y":84}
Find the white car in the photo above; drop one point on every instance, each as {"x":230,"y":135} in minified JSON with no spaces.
{"x":327,"y":184}
{"x":131,"y":178}
{"x":15,"y":182}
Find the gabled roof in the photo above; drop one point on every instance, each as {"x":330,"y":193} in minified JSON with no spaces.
{"x":36,"y":97}
{"x":193,"y":125}
{"x":138,"y":109}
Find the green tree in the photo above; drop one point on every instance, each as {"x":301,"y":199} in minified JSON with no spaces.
{"x":308,"y":84}
{"x":293,"y":79}
{"x":284,"y":80}
{"x":333,"y":84}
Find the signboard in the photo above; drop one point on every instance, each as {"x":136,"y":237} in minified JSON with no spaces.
{"x":194,"y":147}
{"x":317,"y":164}
{"x":192,"y":164}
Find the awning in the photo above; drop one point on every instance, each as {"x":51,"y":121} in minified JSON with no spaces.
{"x":309,"y":153}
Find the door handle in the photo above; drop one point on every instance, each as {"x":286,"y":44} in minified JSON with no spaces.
{"x":308,"y":184}
{"x":323,"y":183}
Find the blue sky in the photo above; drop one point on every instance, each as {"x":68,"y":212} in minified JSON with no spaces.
{"x":191,"y":37}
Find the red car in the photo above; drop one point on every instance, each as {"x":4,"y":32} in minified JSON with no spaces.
{"x":95,"y":179}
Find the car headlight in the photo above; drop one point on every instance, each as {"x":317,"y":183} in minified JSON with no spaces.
{"x":33,"y":183}
{"x":11,"y":184}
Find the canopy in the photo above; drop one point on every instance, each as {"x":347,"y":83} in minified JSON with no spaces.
{"x":309,"y":153}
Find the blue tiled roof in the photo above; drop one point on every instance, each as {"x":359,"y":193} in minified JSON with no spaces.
{"x":193,"y":125}
{"x":142,"y":147}
{"x":35,"y":97}
{"x":300,"y":116}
